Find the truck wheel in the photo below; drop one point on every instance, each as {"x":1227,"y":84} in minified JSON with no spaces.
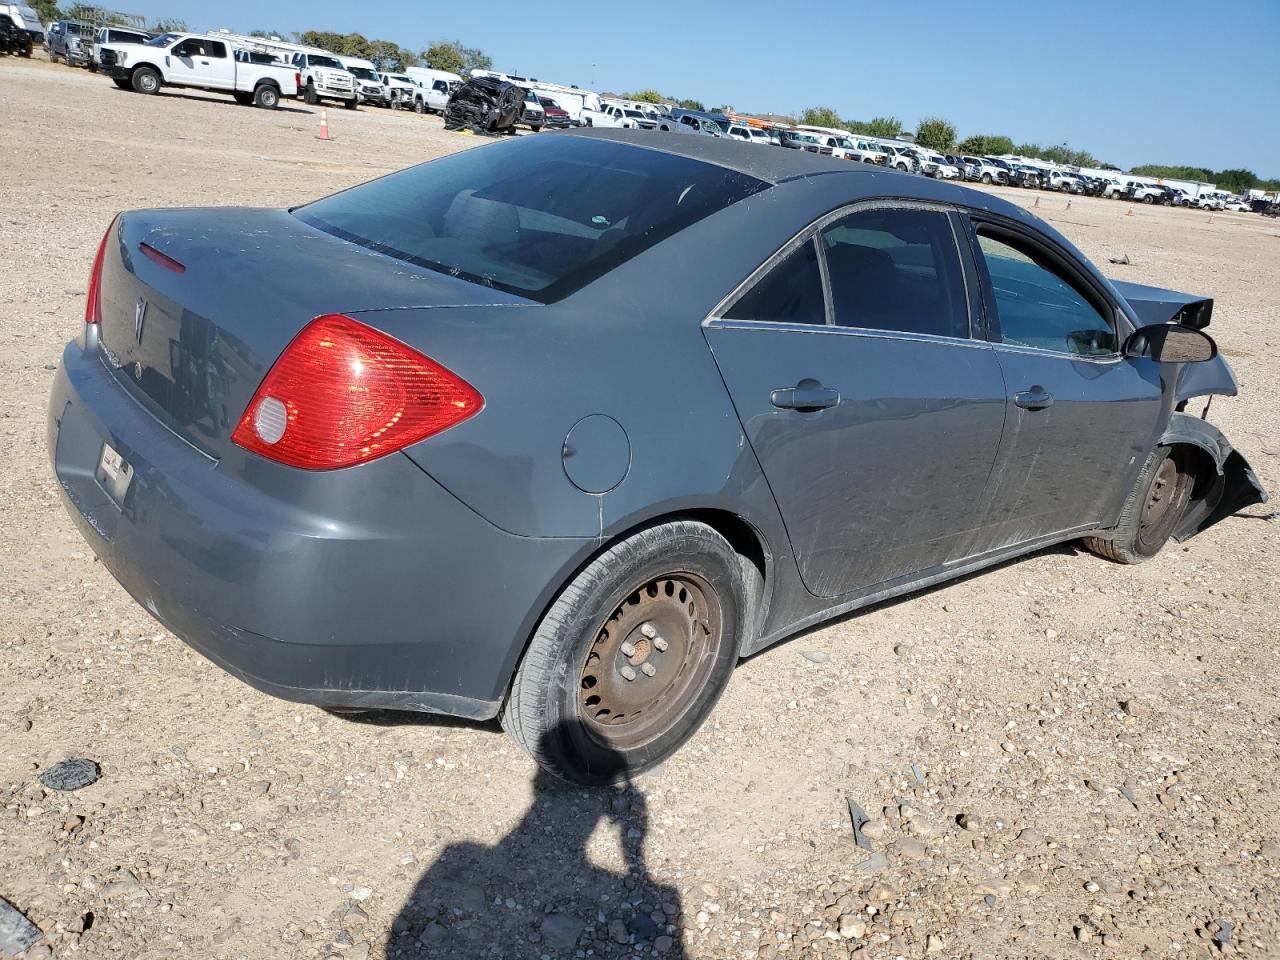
{"x":632,"y":656}
{"x":419,"y":106}
{"x":309,"y":94}
{"x":537,"y":129}
{"x":349,"y":104}
{"x":146,"y":80}
{"x":1148,"y":199}
{"x":120,"y":82}
{"x":1155,"y":507}
{"x":986,"y":178}
{"x":266,"y":96}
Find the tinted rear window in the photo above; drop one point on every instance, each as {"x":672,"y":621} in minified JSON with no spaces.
{"x":539,"y":216}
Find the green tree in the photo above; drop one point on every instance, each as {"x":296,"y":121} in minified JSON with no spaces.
{"x":883,"y":127}
{"x":169,"y":25}
{"x":451,"y":55}
{"x":984,"y":145}
{"x":690,"y":104}
{"x":47,"y":11}
{"x":324,"y":39}
{"x":355,"y":45}
{"x":936,"y":133}
{"x":266,"y":34}
{"x":645,"y":96}
{"x":387,"y":55}
{"x":821,"y":117}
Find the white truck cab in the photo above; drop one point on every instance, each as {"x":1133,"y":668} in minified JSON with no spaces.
{"x":323,"y":77}
{"x":435,"y":87}
{"x":368,"y":84}
{"x":399,"y":90}
{"x":196,"y":60}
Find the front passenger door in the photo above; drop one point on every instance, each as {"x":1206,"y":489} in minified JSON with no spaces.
{"x":1081,"y":417}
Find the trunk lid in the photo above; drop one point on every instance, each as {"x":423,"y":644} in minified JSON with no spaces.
{"x":192,"y":336}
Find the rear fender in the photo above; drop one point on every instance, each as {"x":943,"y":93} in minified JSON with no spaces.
{"x":1233,"y":486}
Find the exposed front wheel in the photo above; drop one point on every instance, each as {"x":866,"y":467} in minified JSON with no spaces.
{"x":632,"y":656}
{"x":146,"y":80}
{"x":1153,"y":511}
{"x":986,"y":178}
{"x":349,"y":104}
{"x":309,"y":95}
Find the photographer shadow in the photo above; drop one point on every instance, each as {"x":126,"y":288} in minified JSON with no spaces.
{"x":536,"y":893}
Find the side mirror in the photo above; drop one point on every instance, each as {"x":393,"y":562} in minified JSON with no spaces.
{"x":1170,"y":343}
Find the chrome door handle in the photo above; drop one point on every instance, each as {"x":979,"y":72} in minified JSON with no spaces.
{"x":1037,"y":398}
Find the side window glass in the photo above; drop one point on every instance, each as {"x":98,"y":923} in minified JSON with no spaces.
{"x":789,"y":293}
{"x":1038,"y":307}
{"x":896,"y":270}
{"x":217,"y":49}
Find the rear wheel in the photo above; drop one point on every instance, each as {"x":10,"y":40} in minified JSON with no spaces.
{"x":266,"y":96}
{"x":146,"y":80}
{"x":1153,"y":511}
{"x":632,"y":656}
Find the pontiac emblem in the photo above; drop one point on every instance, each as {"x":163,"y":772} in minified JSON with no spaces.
{"x":139,"y":318}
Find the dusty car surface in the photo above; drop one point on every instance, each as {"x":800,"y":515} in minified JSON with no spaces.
{"x":437,"y":442}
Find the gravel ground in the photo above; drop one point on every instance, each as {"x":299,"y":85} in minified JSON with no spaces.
{"x":1060,"y":757}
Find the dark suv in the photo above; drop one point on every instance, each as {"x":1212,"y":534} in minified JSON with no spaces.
{"x":13,"y":39}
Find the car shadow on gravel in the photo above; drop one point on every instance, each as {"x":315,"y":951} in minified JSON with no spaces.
{"x":536,"y":892}
{"x":220,"y":101}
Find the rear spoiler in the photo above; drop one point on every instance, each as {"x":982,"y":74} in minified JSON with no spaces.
{"x":1157,"y":305}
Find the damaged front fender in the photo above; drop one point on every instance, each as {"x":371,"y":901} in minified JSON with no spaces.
{"x":1233,"y":487}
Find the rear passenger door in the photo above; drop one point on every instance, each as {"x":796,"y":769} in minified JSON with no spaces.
{"x":874,"y":413}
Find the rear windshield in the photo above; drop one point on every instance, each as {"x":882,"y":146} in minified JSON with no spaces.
{"x":538,"y":216}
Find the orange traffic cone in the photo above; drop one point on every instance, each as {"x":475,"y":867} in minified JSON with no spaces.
{"x":324,"y":126}
{"x":1130,"y":212}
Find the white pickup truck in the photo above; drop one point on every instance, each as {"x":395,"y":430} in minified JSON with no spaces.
{"x":321,"y":76}
{"x":196,"y":60}
{"x":400,"y":90}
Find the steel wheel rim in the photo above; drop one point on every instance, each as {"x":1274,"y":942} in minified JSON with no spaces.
{"x":1160,"y":510}
{"x":650,"y":660}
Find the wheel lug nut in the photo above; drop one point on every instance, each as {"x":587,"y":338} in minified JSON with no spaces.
{"x":628,"y":673}
{"x":628,"y":649}
{"x":647,"y":669}
{"x":649,"y":630}
{"x":659,"y":644}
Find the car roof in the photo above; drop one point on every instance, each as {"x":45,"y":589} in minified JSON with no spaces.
{"x":848,"y":179}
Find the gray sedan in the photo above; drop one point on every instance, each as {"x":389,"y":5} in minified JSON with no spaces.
{"x":558,"y":429}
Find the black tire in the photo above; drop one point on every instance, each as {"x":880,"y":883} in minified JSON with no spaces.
{"x":349,"y":104}
{"x":145,"y":80}
{"x":309,"y":94}
{"x":266,"y":96}
{"x":536,"y":129}
{"x":575,"y":668}
{"x":1155,"y":506}
{"x":121,"y":82}
{"x":1148,"y":199}
{"x":242,"y":98}
{"x":419,"y":106}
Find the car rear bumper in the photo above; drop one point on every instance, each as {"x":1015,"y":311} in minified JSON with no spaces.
{"x":366,"y":587}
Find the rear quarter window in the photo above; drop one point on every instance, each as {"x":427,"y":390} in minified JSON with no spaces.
{"x":540,"y":217}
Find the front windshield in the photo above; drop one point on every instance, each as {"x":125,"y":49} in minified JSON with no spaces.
{"x":634,"y":113}
{"x":323,"y":61}
{"x":710,"y":127}
{"x":531,"y":97}
{"x":400,"y":78}
{"x":163,"y":40}
{"x":364,"y":73}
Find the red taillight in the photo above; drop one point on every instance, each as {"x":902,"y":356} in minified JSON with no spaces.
{"x":343,"y":393}
{"x":166,"y":261}
{"x":93,"y":305}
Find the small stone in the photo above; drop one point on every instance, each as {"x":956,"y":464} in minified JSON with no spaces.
{"x":911,"y":848}
{"x":618,"y":932}
{"x":1031,"y":835}
{"x":1084,"y":934}
{"x":852,"y":927}
{"x":663,"y":944}
{"x":989,"y":900}
{"x":877,"y":861}
{"x":882,"y":893}
{"x":933,"y":943}
{"x":970,"y":822}
{"x":561,"y":931}
{"x":72,"y":774}
{"x":1133,"y":708}
{"x":816,"y":656}
{"x":360,"y":894}
{"x":41,"y":951}
{"x":1092,"y":886}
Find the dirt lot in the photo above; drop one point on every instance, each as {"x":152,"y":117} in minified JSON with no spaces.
{"x":1017,"y":810}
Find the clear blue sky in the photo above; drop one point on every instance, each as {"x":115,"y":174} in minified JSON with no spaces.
{"x":1151,"y":81}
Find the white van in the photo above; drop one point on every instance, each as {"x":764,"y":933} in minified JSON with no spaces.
{"x":437,"y":87}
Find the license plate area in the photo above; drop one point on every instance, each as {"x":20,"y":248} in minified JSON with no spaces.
{"x":113,"y":474}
